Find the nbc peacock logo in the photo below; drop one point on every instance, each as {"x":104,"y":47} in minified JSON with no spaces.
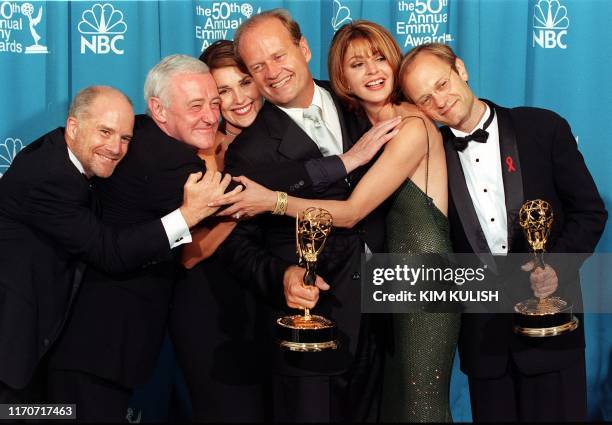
{"x":8,"y":151}
{"x":550,"y":24}
{"x":102,"y":28}
{"x":341,"y":15}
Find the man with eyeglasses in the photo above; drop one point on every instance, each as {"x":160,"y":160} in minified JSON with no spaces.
{"x":498,"y":158}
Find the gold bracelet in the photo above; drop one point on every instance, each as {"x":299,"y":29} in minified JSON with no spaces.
{"x":281,"y":203}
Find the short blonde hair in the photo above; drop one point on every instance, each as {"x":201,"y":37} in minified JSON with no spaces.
{"x":379,"y":39}
{"x":281,"y":15}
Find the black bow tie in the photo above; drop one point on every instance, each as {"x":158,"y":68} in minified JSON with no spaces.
{"x":479,"y":136}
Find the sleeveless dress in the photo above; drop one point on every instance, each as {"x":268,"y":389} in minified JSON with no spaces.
{"x":418,"y":366}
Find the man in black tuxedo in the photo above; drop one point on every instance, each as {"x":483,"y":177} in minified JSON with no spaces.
{"x":113,"y":337}
{"x":49,"y":228}
{"x":511,"y":156}
{"x":336,"y":385}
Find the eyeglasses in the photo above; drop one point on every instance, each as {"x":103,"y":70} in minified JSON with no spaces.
{"x":442,"y":87}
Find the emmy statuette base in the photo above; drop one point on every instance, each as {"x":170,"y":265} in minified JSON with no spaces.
{"x":312,"y":334}
{"x":541,"y":318}
{"x":552,"y":331}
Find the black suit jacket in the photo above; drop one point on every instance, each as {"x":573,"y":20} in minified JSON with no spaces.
{"x":545,"y":164}
{"x":260,"y":250}
{"x":46,"y":227}
{"x":119,"y":320}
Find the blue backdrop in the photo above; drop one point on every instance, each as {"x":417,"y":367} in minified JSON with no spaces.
{"x":549,"y":53}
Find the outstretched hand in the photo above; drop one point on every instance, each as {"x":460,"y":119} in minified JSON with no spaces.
{"x":199,"y":191}
{"x":254,"y":199}
{"x":370,"y":143}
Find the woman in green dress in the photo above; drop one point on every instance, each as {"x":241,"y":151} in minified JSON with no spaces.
{"x":364,"y":61}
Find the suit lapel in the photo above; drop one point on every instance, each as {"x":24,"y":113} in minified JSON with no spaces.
{"x":294,"y":143}
{"x":347,"y":140}
{"x":463,"y":202}
{"x":511,"y":171}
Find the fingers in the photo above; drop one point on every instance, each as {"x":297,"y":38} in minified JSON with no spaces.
{"x":298,"y":295}
{"x":208,"y":176}
{"x":544,"y":282}
{"x":216,"y":179}
{"x":229,"y":198}
{"x":230,"y":211}
{"x":388,"y":136}
{"x":307,"y":297}
{"x":543,"y":291}
{"x":302,"y":296}
{"x":527,"y":267}
{"x":193,"y":178}
{"x":227,"y":179}
{"x":321,"y":284}
{"x":235,"y":191}
{"x":244,"y":180}
{"x":387,"y":125}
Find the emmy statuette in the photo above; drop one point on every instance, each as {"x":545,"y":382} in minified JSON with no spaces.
{"x":550,"y":316}
{"x":309,"y":332}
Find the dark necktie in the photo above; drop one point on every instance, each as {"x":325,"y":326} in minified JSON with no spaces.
{"x":479,"y":136}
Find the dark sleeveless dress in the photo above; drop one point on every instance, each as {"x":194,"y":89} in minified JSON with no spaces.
{"x":419,"y":364}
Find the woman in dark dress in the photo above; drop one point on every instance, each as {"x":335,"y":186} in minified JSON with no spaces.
{"x":364,"y":61}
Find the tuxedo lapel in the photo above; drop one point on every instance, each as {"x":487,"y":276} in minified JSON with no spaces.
{"x":511,"y":171}
{"x":294,"y":143}
{"x":460,"y":194}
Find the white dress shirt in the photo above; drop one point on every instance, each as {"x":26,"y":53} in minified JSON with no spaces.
{"x":322,"y":98}
{"x":174,"y":224}
{"x":481,"y":163}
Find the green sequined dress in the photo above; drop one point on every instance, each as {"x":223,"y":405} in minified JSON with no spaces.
{"x":418,"y":366}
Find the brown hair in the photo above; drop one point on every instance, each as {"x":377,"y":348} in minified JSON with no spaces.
{"x":220,"y":54}
{"x":281,"y":14}
{"x":379,"y":40}
{"x":439,"y":50}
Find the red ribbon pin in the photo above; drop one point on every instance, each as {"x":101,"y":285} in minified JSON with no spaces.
{"x":510,"y":164}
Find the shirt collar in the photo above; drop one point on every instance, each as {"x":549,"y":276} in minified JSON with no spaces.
{"x":317,"y":99}
{"x":480,"y":124}
{"x":75,"y":161}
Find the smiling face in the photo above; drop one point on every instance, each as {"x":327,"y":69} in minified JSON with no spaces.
{"x":451,"y":102}
{"x":99,"y":136}
{"x":278,"y":66}
{"x":240,"y":98}
{"x":192,"y":115}
{"x":367,"y":73}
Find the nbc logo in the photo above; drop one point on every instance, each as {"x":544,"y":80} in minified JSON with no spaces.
{"x":341,"y":15}
{"x":8,"y":150}
{"x":101,"y":28}
{"x":550,"y":24}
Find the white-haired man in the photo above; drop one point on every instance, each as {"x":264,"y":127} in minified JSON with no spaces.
{"x":113,"y":338}
{"x":50,"y":230}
